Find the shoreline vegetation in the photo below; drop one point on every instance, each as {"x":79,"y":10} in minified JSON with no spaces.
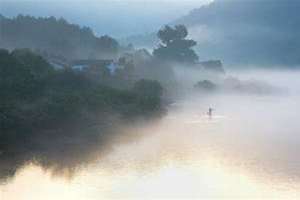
{"x":65,"y":93}
{"x":44,"y":110}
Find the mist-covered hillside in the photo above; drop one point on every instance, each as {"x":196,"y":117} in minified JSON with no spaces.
{"x":55,"y":36}
{"x":250,"y":32}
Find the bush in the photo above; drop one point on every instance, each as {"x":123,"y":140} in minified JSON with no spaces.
{"x":206,"y":85}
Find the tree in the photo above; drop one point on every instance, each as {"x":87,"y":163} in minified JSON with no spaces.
{"x":174,"y":46}
{"x":148,"y":88}
{"x":107,"y":47}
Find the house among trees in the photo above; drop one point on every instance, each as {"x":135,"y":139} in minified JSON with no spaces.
{"x":95,"y":65}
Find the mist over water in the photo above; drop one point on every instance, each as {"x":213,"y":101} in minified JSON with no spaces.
{"x":248,"y":149}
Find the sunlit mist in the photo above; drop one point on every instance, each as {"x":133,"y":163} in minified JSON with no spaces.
{"x":247,"y":150}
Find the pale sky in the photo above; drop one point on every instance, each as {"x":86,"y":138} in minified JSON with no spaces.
{"x":114,"y":17}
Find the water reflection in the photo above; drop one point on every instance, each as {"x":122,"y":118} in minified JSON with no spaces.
{"x":248,"y":150}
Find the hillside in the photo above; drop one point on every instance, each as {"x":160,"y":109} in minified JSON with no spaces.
{"x":55,"y":36}
{"x":256,"y":32}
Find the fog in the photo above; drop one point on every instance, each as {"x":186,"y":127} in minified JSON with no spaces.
{"x":118,"y":18}
{"x":130,"y":124}
{"x":242,"y":32}
{"x":248,"y":149}
{"x":262,"y":32}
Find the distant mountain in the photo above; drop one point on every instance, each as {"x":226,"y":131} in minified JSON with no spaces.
{"x":247,"y":32}
{"x":117,"y":18}
{"x":55,"y":36}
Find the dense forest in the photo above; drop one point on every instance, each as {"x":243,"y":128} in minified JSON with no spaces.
{"x":55,"y":36}
{"x":47,"y":110}
{"x":40,"y":102}
{"x":37,"y":95}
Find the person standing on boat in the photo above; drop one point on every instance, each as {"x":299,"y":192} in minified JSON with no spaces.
{"x":209,"y":113}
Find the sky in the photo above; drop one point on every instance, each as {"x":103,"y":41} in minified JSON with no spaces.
{"x":119,"y":18}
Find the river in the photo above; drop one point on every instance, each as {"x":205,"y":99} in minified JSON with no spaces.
{"x":249,"y":149}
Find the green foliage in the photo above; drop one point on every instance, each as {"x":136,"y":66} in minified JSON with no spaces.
{"x":149,"y":94}
{"x":22,"y":74}
{"x":175,"y":47}
{"x":148,"y":88}
{"x":169,"y":34}
{"x":107,"y":45}
{"x":36,"y":97}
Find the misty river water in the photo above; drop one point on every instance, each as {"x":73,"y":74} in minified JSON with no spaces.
{"x":249,"y":149}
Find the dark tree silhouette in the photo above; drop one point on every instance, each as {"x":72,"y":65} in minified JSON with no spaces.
{"x":174,"y":46}
{"x":34,"y":95}
{"x":53,"y":117}
{"x":56,"y":37}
